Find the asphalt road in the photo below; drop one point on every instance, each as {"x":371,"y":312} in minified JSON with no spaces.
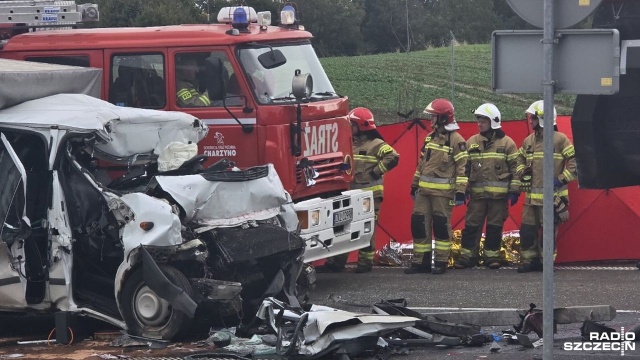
{"x":494,"y":289}
{"x":472,"y":288}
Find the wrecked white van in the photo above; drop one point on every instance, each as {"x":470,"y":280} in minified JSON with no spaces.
{"x":151,"y":250}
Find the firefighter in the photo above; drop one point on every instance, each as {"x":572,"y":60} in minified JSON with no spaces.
{"x":491,"y":169}
{"x":529,"y":171}
{"x":373,"y":158}
{"x":439,"y":184}
{"x":187,"y":93}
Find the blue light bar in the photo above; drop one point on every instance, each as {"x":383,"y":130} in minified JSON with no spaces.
{"x":288,"y":15}
{"x":240,"y":19}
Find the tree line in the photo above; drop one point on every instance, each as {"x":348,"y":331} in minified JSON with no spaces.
{"x":342,"y":27}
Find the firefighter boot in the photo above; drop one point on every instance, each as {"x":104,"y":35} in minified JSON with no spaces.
{"x":462,"y":263}
{"x":534,"y":265}
{"x":439,"y":267}
{"x":424,"y":267}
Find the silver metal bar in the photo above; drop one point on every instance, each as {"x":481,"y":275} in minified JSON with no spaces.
{"x":547,"y":201}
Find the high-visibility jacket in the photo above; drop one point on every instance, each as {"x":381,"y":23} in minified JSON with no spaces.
{"x":530,"y":155}
{"x":441,"y":170}
{"x":372,"y":156}
{"x":188,"y":96}
{"x":492,"y":166}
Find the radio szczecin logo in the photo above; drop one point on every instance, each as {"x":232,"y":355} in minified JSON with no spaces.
{"x":616,"y":341}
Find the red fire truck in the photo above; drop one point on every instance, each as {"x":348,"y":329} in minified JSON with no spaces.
{"x":260,"y":88}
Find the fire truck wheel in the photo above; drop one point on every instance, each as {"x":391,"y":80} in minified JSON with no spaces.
{"x":147,"y":314}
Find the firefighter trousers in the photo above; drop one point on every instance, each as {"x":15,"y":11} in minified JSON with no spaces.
{"x":431,"y":212}
{"x":365,"y":255}
{"x":495,"y":212}
{"x":531,"y":234}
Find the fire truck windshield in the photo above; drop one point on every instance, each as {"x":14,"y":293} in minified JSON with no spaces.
{"x":274,"y":85}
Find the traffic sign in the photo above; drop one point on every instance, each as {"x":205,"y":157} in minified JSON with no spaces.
{"x":584,"y":61}
{"x":566,"y":12}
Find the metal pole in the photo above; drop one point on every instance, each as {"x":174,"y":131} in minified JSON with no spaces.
{"x":547,"y":203}
{"x":406,"y":4}
{"x":453,"y":69}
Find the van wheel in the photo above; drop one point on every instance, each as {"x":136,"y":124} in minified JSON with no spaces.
{"x":147,"y":314}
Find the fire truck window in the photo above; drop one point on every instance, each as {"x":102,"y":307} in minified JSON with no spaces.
{"x":138,"y":80}
{"x":204,"y":79}
{"x":82,"y":61}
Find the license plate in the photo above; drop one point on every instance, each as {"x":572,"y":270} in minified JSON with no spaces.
{"x":342,"y":217}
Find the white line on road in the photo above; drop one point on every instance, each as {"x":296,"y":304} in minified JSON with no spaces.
{"x":489,"y":309}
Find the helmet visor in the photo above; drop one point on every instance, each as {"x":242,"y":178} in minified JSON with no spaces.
{"x":429,"y":116}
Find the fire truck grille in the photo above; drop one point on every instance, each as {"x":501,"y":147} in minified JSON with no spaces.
{"x":327,"y":166}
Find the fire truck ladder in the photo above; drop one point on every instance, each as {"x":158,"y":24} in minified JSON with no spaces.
{"x":46,"y":13}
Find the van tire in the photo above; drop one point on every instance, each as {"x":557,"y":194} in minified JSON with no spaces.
{"x":146,"y":314}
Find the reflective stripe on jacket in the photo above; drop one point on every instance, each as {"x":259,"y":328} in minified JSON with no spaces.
{"x":441,"y":171}
{"x":564,"y":164}
{"x":188,"y":96}
{"x":492,"y":166}
{"x":372,"y":156}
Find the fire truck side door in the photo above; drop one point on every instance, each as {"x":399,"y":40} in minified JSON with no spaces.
{"x":193,"y":74}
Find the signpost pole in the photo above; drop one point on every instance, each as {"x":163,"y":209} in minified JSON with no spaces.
{"x":548,"y":170}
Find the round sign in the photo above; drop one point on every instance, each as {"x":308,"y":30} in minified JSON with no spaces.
{"x":566,"y":13}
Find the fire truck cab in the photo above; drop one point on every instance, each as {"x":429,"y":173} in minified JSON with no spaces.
{"x":260,"y":88}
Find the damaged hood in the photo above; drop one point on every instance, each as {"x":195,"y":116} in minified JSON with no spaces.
{"x":124,"y":131}
{"x":222,"y":203}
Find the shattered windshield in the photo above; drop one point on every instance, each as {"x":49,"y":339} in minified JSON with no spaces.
{"x":274,"y":85}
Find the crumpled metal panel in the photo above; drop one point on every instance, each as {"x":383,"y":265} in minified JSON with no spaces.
{"x":220,"y":203}
{"x":126,"y":131}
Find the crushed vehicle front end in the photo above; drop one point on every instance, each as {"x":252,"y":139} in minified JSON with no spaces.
{"x":134,"y":231}
{"x":230,"y":244}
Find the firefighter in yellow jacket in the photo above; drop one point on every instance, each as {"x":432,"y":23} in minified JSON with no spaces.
{"x":491,"y":170}
{"x":186,"y":93}
{"x":373,"y":157}
{"x":530,"y":172}
{"x":439,"y":184}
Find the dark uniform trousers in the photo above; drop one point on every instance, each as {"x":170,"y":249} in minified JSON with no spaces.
{"x":495,"y":211}
{"x":430,"y":209}
{"x":531,"y":236}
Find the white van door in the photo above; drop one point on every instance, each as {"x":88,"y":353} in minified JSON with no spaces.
{"x":15,"y":228}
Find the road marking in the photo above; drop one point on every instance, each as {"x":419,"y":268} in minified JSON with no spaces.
{"x":560,"y":267}
{"x":489,"y":309}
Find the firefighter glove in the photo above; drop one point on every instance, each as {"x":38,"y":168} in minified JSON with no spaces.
{"x":512,"y":198}
{"x":561,"y":207}
{"x":459,"y":198}
{"x":414,"y":189}
{"x":525,"y":179}
{"x":557,"y":183}
{"x":373,"y":175}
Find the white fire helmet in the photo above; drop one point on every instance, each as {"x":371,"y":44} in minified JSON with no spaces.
{"x":537,"y":109}
{"x":490,"y":111}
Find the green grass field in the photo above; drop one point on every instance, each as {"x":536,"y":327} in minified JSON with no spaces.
{"x":388,"y":83}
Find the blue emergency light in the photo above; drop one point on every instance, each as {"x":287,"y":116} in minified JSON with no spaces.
{"x":288,"y":15}
{"x":240,"y":19}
